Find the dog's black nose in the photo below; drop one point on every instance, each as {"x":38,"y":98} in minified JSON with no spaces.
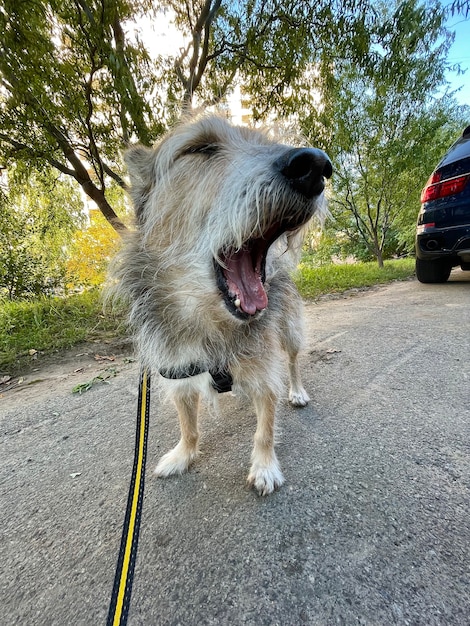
{"x":305,"y":169}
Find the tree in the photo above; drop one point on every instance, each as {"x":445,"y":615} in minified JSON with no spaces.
{"x":38,"y":215}
{"x":76,"y":85}
{"x":460,"y":6}
{"x":389,"y":126}
{"x":271,"y":47}
{"x":91,"y":249}
{"x":71,"y":90}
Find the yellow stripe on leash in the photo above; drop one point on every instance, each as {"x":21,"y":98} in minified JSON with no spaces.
{"x":120,"y":599}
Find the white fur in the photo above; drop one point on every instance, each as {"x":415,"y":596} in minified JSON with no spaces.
{"x":193,"y":207}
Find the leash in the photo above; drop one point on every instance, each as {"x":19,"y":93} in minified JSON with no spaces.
{"x":122,"y":588}
{"x":123,"y":578}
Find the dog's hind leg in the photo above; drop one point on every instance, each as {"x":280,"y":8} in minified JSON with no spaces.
{"x":292,"y":341}
{"x":179,"y":459}
{"x":265,"y":473}
{"x":291,"y":335}
{"x":297,"y":394}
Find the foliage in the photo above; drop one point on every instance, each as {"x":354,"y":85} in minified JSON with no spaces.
{"x":52,"y":323}
{"x":38,"y":216}
{"x":460,"y":6}
{"x":389,"y":129}
{"x":268,"y":45}
{"x":77,"y":82}
{"x":72,"y":89}
{"x":90,"y":252}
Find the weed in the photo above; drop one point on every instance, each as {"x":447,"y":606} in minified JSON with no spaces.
{"x":104,"y":377}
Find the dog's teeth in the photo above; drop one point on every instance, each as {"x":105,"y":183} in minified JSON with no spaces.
{"x":237,"y":303}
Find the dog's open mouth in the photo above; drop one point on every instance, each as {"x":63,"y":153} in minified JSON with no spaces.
{"x":241,"y":275}
{"x":241,"y":271}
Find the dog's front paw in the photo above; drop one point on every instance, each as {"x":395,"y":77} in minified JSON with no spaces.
{"x":299,"y":397}
{"x":177,"y":461}
{"x":265,"y":479}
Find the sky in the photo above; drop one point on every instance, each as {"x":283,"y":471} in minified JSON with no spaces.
{"x":460,"y":53}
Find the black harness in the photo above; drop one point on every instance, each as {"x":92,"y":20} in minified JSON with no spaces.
{"x":222,"y":380}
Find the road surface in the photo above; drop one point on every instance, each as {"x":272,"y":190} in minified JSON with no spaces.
{"x":372,"y":526}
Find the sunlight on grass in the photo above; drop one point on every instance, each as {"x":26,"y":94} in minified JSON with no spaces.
{"x":50,"y":324}
{"x":314,"y":281}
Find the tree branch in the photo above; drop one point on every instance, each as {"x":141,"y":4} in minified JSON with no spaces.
{"x":22,"y":147}
{"x":112,"y":174}
{"x":199,"y":60}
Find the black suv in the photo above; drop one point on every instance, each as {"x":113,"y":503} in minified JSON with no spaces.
{"x":443,"y":231}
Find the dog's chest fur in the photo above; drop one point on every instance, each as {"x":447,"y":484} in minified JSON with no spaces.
{"x":192,"y":326}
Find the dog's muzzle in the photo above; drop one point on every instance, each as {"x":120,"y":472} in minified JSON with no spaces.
{"x":240,"y":273}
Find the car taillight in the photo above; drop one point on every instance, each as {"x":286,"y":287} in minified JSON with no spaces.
{"x":434,"y":178}
{"x":436,"y":188}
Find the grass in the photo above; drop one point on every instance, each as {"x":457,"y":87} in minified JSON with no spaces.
{"x":52,"y":324}
{"x":313,"y":282}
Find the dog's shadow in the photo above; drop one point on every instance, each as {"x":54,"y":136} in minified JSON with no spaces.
{"x":225,"y":446}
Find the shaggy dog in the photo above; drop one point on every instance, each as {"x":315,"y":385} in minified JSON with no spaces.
{"x":206,"y":272}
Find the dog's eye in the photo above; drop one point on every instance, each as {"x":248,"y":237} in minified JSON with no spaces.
{"x":207,"y":149}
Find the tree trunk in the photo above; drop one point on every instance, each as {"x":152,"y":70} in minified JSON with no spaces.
{"x":81,"y":175}
{"x":380,"y":259}
{"x":378,"y":252}
{"x":106,"y":209}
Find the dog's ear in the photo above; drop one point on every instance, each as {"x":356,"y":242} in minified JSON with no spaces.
{"x":140,"y":164}
{"x":139,"y":160}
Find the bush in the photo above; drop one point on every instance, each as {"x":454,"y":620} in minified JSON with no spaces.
{"x":38,"y":215}
{"x":90,"y":252}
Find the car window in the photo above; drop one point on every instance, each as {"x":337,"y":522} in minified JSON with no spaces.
{"x":459,"y":150}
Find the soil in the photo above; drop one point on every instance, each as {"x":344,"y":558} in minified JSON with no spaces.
{"x":86,"y":363}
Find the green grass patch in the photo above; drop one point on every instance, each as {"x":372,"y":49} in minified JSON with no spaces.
{"x":315,"y":281}
{"x":50,"y":324}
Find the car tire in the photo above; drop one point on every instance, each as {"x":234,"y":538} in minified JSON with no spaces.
{"x":437,"y":271}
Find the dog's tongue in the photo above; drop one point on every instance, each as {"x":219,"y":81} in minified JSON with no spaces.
{"x":245,"y":282}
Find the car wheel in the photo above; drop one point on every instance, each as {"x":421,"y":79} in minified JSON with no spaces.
{"x":437,"y":271}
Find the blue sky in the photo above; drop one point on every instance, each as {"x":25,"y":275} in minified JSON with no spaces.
{"x":460,"y":53}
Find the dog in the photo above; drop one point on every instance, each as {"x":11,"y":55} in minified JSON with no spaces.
{"x":218,"y":210}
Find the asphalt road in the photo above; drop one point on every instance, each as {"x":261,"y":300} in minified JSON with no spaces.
{"x":372,"y":526}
